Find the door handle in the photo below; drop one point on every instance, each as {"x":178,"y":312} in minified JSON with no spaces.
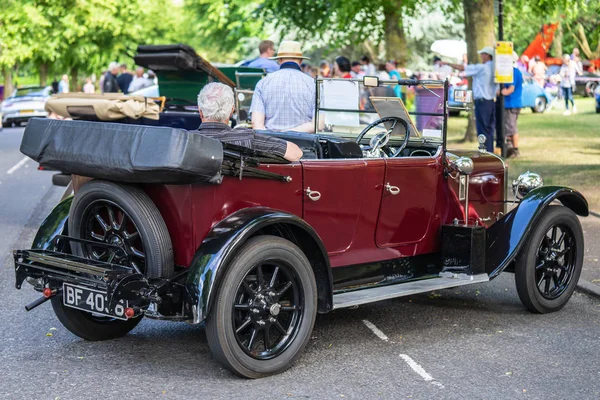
{"x":313,"y":194}
{"x":394,"y":190}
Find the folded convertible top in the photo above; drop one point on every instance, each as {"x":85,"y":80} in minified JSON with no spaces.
{"x":123,"y":153}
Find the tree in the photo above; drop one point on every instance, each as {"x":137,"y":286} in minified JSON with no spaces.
{"x":343,"y":23}
{"x":22,"y":27}
{"x":479,"y":32}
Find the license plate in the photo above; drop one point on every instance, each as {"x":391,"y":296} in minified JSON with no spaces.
{"x":91,"y":300}
{"x":26,"y":111}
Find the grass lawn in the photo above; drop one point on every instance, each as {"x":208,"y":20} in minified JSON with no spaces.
{"x":564,"y":150}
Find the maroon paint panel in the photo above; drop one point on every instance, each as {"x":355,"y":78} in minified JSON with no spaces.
{"x":405,"y":218}
{"x":357,"y":219}
{"x":486,"y":187}
{"x":335,"y":214}
{"x":175,"y":205}
{"x":213,"y":203}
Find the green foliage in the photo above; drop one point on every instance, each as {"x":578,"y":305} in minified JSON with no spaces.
{"x":222,"y":26}
{"x":83,"y":35}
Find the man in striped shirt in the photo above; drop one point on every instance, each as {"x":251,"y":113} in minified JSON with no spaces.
{"x":216,"y":105}
{"x":285,"y":100}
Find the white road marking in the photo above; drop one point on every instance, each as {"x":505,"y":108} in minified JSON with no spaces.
{"x":419,"y":370}
{"x":375,"y":330}
{"x":18,"y":165}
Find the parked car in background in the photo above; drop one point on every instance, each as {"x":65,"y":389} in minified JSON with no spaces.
{"x":586,"y":84}
{"x":24,"y":103}
{"x":150,"y":91}
{"x":534,"y":97}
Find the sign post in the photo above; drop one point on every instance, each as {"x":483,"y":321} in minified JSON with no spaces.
{"x":503,"y":74}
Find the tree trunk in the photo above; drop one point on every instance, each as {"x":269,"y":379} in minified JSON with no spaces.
{"x":74,"y":85}
{"x":43,"y":74}
{"x":395,"y":39}
{"x":8,"y":83}
{"x":557,"y":48}
{"x":479,"y":32}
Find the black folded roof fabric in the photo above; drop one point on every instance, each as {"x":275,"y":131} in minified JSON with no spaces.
{"x":123,"y":153}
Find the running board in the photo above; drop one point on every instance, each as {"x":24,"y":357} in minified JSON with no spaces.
{"x":445,"y":281}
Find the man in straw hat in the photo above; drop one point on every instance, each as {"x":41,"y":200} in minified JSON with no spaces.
{"x":285,"y":99}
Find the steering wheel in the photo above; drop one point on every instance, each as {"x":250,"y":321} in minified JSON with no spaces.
{"x":380,"y":141}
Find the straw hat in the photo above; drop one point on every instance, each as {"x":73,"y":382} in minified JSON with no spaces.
{"x":289,"y":49}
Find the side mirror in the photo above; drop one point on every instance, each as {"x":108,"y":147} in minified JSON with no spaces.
{"x":463,"y":96}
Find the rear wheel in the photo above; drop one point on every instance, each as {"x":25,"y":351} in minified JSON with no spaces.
{"x":124,"y":216}
{"x":7,"y":124}
{"x":549,"y":266}
{"x":539,"y":105}
{"x":264,"y":310}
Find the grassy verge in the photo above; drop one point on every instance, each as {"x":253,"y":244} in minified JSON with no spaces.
{"x":564,"y":150}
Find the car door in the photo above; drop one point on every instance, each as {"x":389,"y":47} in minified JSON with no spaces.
{"x":409,"y":200}
{"x":341,"y":200}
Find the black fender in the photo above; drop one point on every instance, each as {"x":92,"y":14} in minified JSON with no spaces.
{"x":505,"y":238}
{"x":54,"y":224}
{"x":226,"y":237}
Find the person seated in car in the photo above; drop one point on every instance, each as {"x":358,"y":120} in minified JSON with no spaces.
{"x":284,"y":100}
{"x":216,"y":105}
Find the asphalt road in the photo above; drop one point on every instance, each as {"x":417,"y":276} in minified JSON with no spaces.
{"x":477,"y":342}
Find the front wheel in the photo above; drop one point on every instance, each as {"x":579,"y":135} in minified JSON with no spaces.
{"x":548,"y":267}
{"x":539,"y":105}
{"x":264,"y":310}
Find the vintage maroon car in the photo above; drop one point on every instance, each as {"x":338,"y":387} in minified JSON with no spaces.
{"x":177,"y":226}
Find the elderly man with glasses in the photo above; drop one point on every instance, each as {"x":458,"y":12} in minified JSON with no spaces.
{"x":216,"y":105}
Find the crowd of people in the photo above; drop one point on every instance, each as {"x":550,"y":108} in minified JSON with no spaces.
{"x":284,"y":99}
{"x":117,"y":78}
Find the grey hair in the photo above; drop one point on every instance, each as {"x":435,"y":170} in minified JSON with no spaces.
{"x":215,"y":101}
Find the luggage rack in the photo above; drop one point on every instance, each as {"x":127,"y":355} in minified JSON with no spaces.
{"x":55,"y":265}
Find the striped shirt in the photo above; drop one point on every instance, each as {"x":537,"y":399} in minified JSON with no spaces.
{"x":243,"y":137}
{"x":286,"y":97}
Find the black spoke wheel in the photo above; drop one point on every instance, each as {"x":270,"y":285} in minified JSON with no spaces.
{"x":264,"y":310}
{"x":549,"y":266}
{"x":106,"y":222}
{"x":126,"y":218}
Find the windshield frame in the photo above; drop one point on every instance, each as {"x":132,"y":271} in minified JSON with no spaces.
{"x":400,"y":82}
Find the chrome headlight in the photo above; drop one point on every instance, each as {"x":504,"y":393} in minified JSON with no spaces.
{"x":525,"y":183}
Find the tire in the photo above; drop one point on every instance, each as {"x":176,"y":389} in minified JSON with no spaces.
{"x":89,"y":327}
{"x":590,"y":88}
{"x":7,"y":124}
{"x":540,"y":105}
{"x":454,"y":113}
{"x":233,"y":335}
{"x":597,"y":110}
{"x":552,"y":258}
{"x":152,"y":240}
{"x":154,"y":237}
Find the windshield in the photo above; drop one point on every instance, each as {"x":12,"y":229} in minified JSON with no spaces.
{"x":346,"y":107}
{"x":38,"y":91}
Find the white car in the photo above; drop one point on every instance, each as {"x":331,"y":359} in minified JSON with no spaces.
{"x":25,"y":102}
{"x":149,"y":91}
